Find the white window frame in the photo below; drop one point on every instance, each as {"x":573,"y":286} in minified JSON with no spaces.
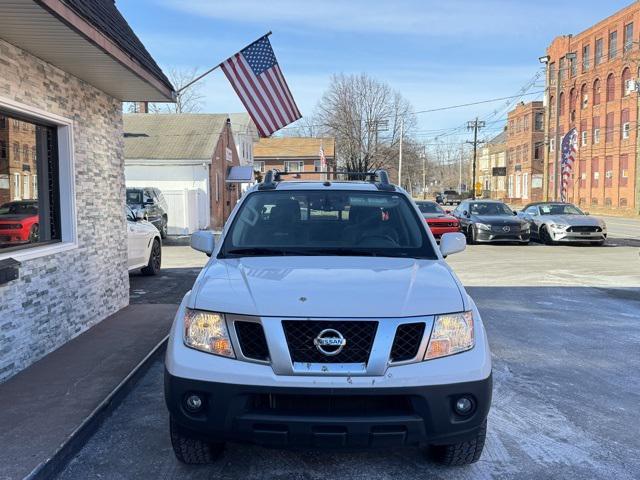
{"x":626,"y":130}
{"x":584,"y":138}
{"x":17,"y":187}
{"x":259,"y":165}
{"x":300,"y":164}
{"x":66,"y":180}
{"x":26,"y":187}
{"x":552,"y":145}
{"x":596,"y":136}
{"x":525,"y":185}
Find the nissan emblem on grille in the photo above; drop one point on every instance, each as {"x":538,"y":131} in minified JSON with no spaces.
{"x":330,"y":341}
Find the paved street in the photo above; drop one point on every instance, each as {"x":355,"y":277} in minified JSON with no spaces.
{"x":564,"y":327}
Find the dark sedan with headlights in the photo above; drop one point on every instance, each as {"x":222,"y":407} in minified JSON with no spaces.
{"x":555,"y":222}
{"x":486,"y":221}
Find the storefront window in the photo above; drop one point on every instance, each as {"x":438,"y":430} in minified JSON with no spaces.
{"x":29,"y":191}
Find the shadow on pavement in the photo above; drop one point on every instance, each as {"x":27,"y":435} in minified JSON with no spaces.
{"x":167,"y":287}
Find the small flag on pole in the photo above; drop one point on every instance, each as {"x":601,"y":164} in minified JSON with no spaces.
{"x":569,"y":142}
{"x":257,"y":79}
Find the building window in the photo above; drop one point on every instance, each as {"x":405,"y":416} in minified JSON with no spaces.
{"x":3,"y":123}
{"x":599,"y":51}
{"x":510,"y":187}
{"x":596,"y":92}
{"x":611,"y":88}
{"x":595,"y":172}
{"x":628,"y":37}
{"x":258,"y":166}
{"x":16,"y":152}
{"x":3,"y":150}
{"x":15,"y":193}
{"x":608,"y":128}
{"x":613,"y":44}
{"x":552,"y":145}
{"x":584,"y":96}
{"x":573,"y":66}
{"x":628,"y":85}
{"x":586,"y":53}
{"x":561,"y":104}
{"x":40,"y":217}
{"x":563,"y":68}
{"x":539,"y":122}
{"x":624,"y":170}
{"x":583,"y":173}
{"x":294,"y":166}
{"x":317,"y":165}
{"x":538,"y":151}
{"x":608,"y":171}
{"x":583,"y":133}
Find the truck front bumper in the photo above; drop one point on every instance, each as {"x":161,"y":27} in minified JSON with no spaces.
{"x":328,"y":417}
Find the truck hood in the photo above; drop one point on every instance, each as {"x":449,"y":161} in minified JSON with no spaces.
{"x":348,"y":287}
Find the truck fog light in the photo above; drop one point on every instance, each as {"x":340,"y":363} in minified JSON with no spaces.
{"x":193,"y":403}
{"x":464,"y":405}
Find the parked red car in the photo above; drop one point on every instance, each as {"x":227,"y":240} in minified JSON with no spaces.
{"x":19,"y":222}
{"x":439,"y":221}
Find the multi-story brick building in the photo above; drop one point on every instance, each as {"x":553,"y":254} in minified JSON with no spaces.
{"x":294,"y":154}
{"x":592,"y":87}
{"x":525,"y":153}
{"x":18,"y":170}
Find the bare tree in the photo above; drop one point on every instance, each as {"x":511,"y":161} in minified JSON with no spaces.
{"x":364,"y":116}
{"x":189,"y":100}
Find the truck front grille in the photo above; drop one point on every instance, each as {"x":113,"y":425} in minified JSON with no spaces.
{"x":252,"y":340}
{"x":407,"y":341}
{"x":359,"y":336}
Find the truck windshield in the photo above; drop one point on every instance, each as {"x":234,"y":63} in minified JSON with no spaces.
{"x":327,"y":223}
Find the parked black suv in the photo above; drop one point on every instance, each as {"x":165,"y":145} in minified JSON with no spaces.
{"x":151,"y":201}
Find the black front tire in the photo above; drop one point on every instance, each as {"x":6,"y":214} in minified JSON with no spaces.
{"x":545,"y":237}
{"x":193,"y":451}
{"x":155,"y":259}
{"x":462,"y":453}
{"x":471,"y":235}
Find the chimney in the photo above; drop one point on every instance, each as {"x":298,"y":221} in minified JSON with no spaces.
{"x":142,"y":107}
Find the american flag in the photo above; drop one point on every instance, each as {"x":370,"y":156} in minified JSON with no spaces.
{"x":569,"y":142}
{"x":257,"y":79}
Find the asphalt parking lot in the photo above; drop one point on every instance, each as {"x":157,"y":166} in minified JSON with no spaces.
{"x":564,"y":328}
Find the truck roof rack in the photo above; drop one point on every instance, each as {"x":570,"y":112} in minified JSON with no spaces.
{"x":378,"y":177}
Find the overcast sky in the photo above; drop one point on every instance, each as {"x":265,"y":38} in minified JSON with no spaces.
{"x":437,"y":53}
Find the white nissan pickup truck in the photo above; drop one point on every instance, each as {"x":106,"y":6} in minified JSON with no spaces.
{"x":328,"y":318}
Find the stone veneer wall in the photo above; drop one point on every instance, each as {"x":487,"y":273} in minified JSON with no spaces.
{"x":59,"y":296}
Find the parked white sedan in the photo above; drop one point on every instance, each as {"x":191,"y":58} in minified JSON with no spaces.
{"x":144,"y":244}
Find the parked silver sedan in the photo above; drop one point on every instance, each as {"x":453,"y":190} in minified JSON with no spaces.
{"x":552,"y":222}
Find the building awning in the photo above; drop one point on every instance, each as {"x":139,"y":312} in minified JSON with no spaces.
{"x":240,"y":175}
{"x":88,"y":39}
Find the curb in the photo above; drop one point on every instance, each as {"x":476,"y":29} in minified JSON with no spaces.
{"x":54,"y":465}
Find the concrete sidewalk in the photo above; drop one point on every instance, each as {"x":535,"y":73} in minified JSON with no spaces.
{"x":42,"y":406}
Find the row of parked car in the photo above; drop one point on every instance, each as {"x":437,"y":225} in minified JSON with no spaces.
{"x":484,"y":221}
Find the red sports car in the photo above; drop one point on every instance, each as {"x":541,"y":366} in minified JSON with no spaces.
{"x":19,"y":222}
{"x":439,"y":221}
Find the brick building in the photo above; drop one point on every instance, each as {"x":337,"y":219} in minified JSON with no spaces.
{"x":18,"y":171}
{"x":74,"y":274}
{"x":294,"y":154}
{"x":525,"y":153}
{"x":595,"y":92}
{"x":497,"y":147}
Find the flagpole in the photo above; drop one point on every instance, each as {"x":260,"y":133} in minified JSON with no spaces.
{"x":181,"y":89}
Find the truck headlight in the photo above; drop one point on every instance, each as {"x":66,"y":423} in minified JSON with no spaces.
{"x":207,"y":332}
{"x":483,"y":226}
{"x":451,"y":334}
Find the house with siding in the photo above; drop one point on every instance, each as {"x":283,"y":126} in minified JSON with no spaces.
{"x":66,"y":66}
{"x":294,"y":154}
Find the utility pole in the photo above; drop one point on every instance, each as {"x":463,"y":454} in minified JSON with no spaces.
{"x":400,"y":153}
{"x":424,"y":173}
{"x":474,"y":125}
